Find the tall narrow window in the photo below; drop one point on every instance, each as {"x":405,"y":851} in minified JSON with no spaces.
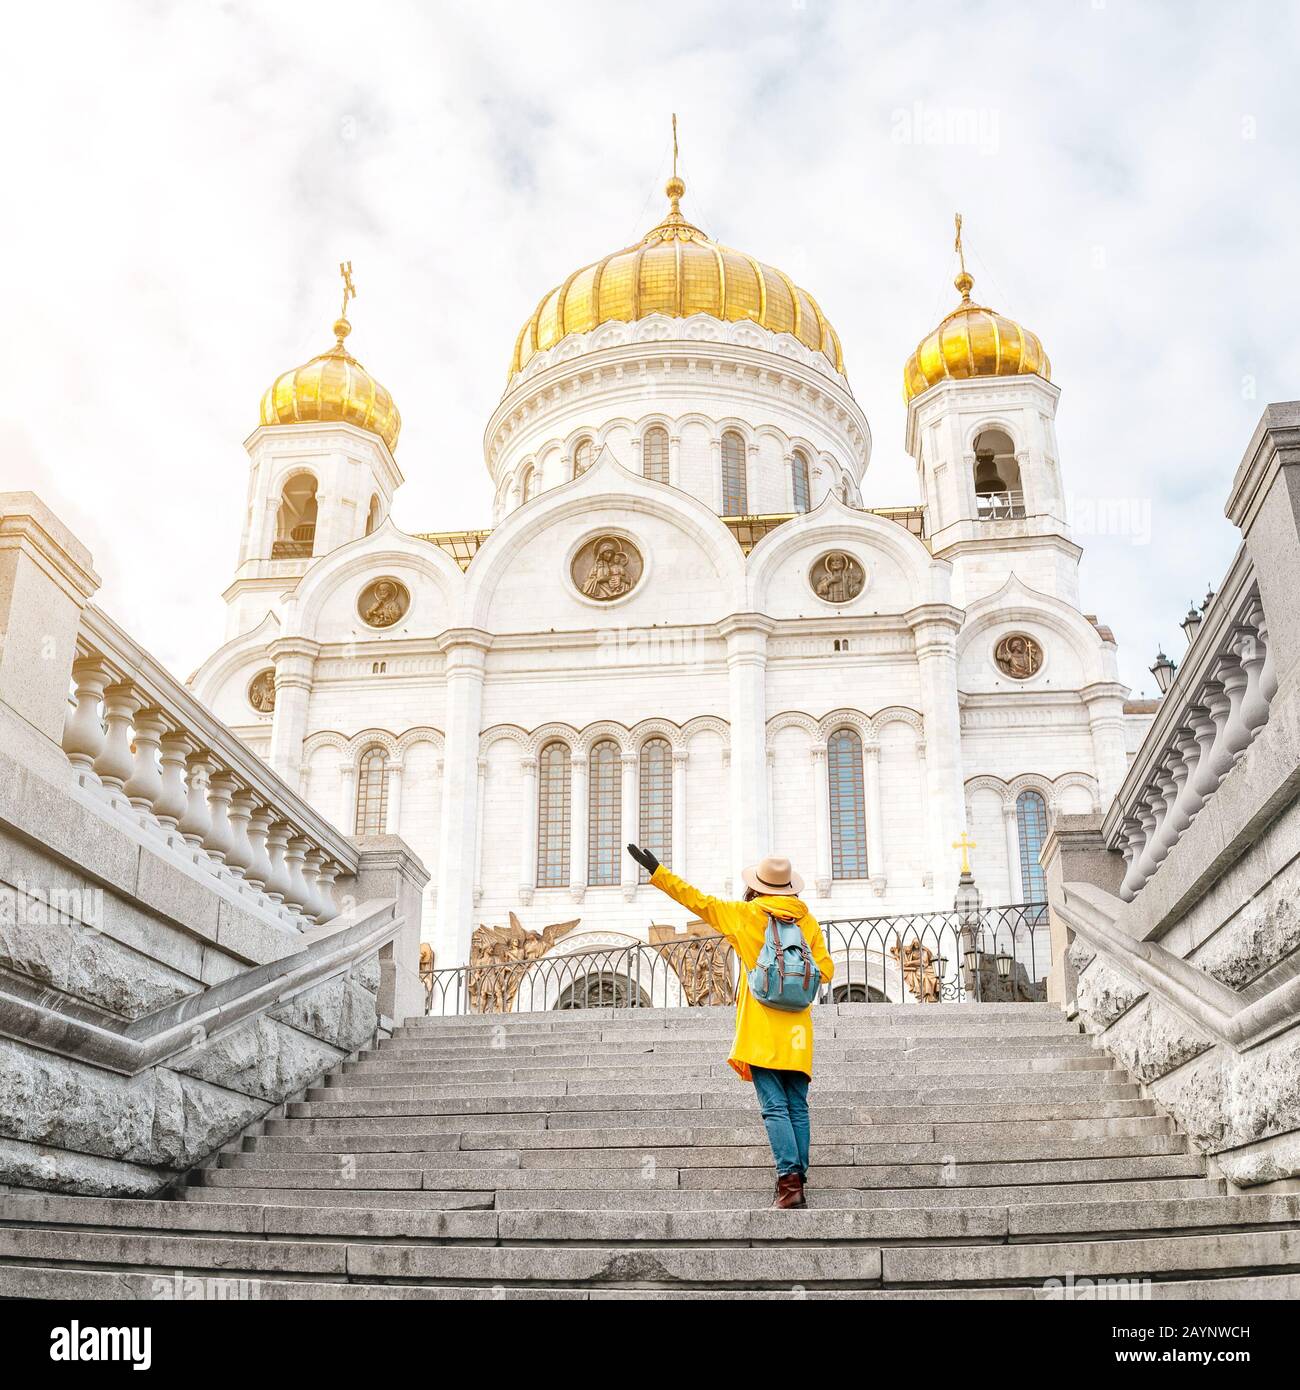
{"x":584,"y":454}
{"x":553,"y":802}
{"x":656,"y":828}
{"x":654,"y":454}
{"x":848,"y":811}
{"x":799,"y":481}
{"x":1031,"y":822}
{"x":372,"y":793}
{"x":529,"y":488}
{"x":735,"y":501}
{"x":604,"y":814}
{"x":373,"y":516}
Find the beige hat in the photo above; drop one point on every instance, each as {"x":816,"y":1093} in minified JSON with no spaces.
{"x":772,"y":877}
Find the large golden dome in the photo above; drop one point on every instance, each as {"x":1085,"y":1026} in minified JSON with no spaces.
{"x":676,"y":270}
{"x":333,"y":387}
{"x":973,"y":341}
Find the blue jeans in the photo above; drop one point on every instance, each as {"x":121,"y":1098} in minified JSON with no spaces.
{"x":783,"y":1104}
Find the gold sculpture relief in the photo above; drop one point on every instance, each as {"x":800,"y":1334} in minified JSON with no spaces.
{"x":383,"y":603}
{"x":261,"y":691}
{"x":700,"y":959}
{"x":919,"y":974}
{"x":1018,"y":656}
{"x":607,"y":568}
{"x":499,"y":957}
{"x":837,"y":577}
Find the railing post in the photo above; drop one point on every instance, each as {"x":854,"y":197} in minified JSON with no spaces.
{"x":1073,"y":852}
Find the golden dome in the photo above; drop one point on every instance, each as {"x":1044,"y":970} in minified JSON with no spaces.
{"x":333,"y":386}
{"x":676,"y":270}
{"x":973,"y":341}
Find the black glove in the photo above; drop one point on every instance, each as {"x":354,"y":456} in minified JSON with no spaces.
{"x":643,"y":857}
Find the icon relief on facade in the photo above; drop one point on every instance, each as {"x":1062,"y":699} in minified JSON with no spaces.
{"x":383,"y":603}
{"x":607,"y":568}
{"x":837,"y":577}
{"x":261,"y":691}
{"x":1018,"y":656}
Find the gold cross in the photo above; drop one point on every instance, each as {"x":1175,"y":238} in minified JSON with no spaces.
{"x":964,"y":844}
{"x":674,"y":144}
{"x":349,"y":290}
{"x":957,"y":246}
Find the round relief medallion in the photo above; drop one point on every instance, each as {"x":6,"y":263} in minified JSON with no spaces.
{"x":261,"y":691}
{"x":383,"y":602}
{"x":1018,"y":655}
{"x":606,"y":567}
{"x":837,"y":577}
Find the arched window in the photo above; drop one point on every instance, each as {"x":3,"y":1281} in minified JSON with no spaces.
{"x":372,"y":792}
{"x":656,"y":825}
{"x":845,"y":495}
{"x":1031,"y":822}
{"x":604,"y":814}
{"x":998,"y":490}
{"x":528,"y":488}
{"x":373,"y":516}
{"x":584,"y":454}
{"x":848,"y":805}
{"x":553,"y":803}
{"x":296,"y":520}
{"x":654,"y":454}
{"x":799,"y":481}
{"x":735,"y":500}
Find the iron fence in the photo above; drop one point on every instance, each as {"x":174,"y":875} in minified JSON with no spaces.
{"x":991,"y":954}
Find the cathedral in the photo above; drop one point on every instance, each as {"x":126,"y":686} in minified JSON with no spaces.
{"x":687,"y":625}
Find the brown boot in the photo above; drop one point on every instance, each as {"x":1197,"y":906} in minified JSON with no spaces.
{"x":789,"y":1192}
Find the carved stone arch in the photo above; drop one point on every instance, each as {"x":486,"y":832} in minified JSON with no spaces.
{"x":772,"y":432}
{"x":324,"y":738}
{"x":1036,"y":782}
{"x":990,"y":422}
{"x":656,"y":418}
{"x":509,"y":733}
{"x":791,"y":719}
{"x":421,"y":734}
{"x":743,"y":428}
{"x":697,"y":417}
{"x":853,"y":719}
{"x":570,"y":441}
{"x":1077,"y":779}
{"x":358,"y":744}
{"x":548,"y":733}
{"x":897,"y":714}
{"x":646,"y":729}
{"x":621,"y":422}
{"x":706,"y":723}
{"x":592,"y":734}
{"x":987,"y":781}
{"x":654,"y":328}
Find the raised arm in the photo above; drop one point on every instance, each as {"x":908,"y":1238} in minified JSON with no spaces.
{"x":717,"y":912}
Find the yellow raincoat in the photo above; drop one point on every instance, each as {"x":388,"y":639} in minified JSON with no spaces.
{"x":779,"y":1039}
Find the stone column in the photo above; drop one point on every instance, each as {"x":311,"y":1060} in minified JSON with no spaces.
{"x":478,"y":838}
{"x":1105,"y":704}
{"x":528,"y":827}
{"x":347,"y":813}
{"x":1011,"y":832}
{"x":746,"y":635}
{"x":934,"y":629}
{"x":680,"y":757}
{"x":295,"y":665}
{"x":628,"y":803}
{"x":393,"y":821}
{"x":465,"y":659}
{"x":675,"y":459}
{"x":46,"y":581}
{"x":822,"y":818}
{"x":579,"y":807}
{"x":875,"y":839}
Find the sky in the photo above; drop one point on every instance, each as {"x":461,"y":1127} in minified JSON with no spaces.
{"x":182,"y":181}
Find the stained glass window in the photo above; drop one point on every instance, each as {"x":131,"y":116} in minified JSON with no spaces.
{"x":604,"y":814}
{"x":372,"y":793}
{"x":656,"y":830}
{"x":799,"y":479}
{"x":654,"y":455}
{"x":553,"y":802}
{"x":848,"y":805}
{"x":1031,"y":822}
{"x":734,"y":494}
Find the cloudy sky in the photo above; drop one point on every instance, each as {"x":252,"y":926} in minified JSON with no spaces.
{"x":182,"y":181}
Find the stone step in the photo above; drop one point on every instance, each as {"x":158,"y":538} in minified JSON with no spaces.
{"x":881,"y":1050}
{"x":420,"y":1199}
{"x":921,"y":1027}
{"x":869,"y":1013}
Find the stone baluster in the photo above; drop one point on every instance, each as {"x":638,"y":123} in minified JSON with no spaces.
{"x":144,"y":786}
{"x":1252,"y":652}
{"x":1236,"y":735}
{"x":173,"y":799}
{"x":1165,"y":835}
{"x":83,"y":728}
{"x":1268,"y":674}
{"x":1149,"y":799}
{"x":196,"y":824}
{"x":1189,"y":802}
{"x":1172,"y":780}
{"x":325,"y":890}
{"x":311,"y":867}
{"x":259,"y":823}
{"x":1204,"y":779}
{"x":295,"y":852}
{"x":1215,"y":698}
{"x":239,"y":810}
{"x":1133,"y":842}
{"x":219,"y":838}
{"x":279,"y":884}
{"x":116,"y":762}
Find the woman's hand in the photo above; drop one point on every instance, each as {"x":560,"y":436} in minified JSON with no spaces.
{"x":643,"y":857}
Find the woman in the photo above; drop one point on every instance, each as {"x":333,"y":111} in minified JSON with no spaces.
{"x":773,"y":1048}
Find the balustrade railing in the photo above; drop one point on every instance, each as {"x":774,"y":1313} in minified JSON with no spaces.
{"x":1211,"y":713}
{"x":1000,"y":506}
{"x":136,"y":738}
{"x":998,"y":954}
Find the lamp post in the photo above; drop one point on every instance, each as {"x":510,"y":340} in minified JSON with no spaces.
{"x":1191,"y":624}
{"x":1163,"y":670}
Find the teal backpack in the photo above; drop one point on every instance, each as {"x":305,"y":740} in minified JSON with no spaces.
{"x":785,"y":976}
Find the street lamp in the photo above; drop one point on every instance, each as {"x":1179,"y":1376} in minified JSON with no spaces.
{"x":1163,"y":670}
{"x":1191,"y":624}
{"x":1003,"y":961}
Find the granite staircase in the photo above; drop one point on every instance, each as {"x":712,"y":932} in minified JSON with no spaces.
{"x":958,"y":1151}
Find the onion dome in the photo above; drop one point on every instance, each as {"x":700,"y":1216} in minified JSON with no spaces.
{"x":675,"y":269}
{"x":333,"y":387}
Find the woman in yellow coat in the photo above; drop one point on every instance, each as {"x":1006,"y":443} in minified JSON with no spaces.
{"x":773,"y":1048}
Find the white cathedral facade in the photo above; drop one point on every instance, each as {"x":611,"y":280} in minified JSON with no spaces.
{"x":685,"y":627}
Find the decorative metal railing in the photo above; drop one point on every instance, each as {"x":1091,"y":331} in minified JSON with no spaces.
{"x":1000,"y":506}
{"x":992,"y":954}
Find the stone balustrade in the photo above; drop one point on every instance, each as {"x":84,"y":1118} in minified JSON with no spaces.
{"x":1211,"y":714}
{"x":136,"y":738}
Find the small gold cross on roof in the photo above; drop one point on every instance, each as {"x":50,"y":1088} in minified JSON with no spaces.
{"x":965,"y":844}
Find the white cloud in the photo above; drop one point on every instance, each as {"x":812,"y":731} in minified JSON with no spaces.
{"x":183,"y":180}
